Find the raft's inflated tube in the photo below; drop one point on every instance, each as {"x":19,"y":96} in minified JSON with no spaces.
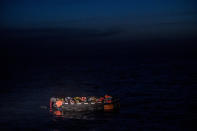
{"x":73,"y":104}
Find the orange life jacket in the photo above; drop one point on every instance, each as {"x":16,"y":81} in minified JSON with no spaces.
{"x":106,"y":96}
{"x":59,"y":103}
{"x":101,"y":99}
{"x":58,"y":113}
{"x":83,"y":98}
{"x":108,"y":99}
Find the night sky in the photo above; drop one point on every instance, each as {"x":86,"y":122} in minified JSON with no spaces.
{"x":110,"y":20}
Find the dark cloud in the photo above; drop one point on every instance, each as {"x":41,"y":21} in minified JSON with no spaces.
{"x":105,"y":33}
{"x":68,"y":33}
{"x":44,"y":2}
{"x":179,"y":23}
{"x":181,"y":13}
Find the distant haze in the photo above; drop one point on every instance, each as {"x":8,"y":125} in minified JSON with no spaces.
{"x":101,"y":20}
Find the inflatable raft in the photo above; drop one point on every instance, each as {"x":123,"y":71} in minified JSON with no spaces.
{"x":77,"y":104}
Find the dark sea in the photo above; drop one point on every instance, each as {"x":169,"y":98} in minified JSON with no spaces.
{"x":157,"y":92}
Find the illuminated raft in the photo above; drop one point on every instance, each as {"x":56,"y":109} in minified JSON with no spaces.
{"x":106,"y":103}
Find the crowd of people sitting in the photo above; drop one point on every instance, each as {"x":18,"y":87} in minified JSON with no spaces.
{"x":80,"y":100}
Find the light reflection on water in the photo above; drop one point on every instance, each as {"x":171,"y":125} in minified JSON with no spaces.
{"x":74,"y":115}
{"x":82,"y":115}
{"x":87,"y":121}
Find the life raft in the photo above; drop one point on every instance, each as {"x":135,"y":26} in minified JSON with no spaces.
{"x":92,"y":103}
